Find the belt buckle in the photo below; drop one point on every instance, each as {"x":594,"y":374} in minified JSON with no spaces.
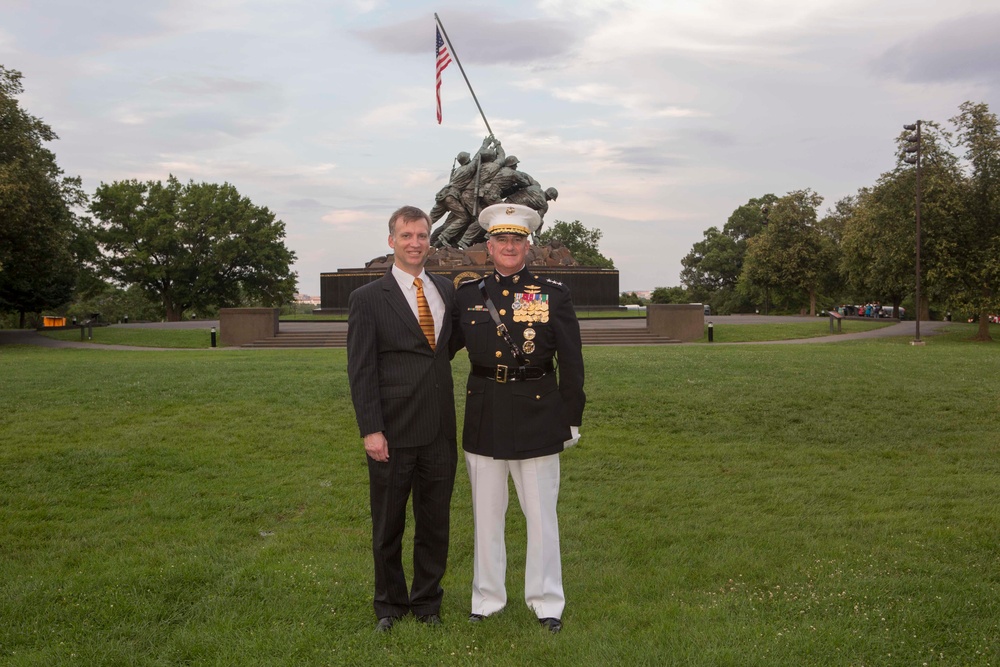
{"x":501,"y":375}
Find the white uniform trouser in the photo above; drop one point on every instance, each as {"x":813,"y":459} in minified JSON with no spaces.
{"x":537,"y":484}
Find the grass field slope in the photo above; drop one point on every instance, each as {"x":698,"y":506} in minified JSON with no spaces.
{"x":730,"y":505}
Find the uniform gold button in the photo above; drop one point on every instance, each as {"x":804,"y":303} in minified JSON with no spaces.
{"x":503,"y":311}
{"x":499,"y":354}
{"x":470,"y":392}
{"x":537,"y":397}
{"x":506,"y":293}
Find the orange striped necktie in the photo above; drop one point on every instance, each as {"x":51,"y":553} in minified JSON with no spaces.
{"x":424,"y":312}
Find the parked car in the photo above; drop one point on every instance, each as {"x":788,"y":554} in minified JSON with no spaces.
{"x":887,"y":312}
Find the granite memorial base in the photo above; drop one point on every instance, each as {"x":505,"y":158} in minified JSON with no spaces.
{"x":684,"y":322}
{"x":591,"y":288}
{"x":239,"y":326}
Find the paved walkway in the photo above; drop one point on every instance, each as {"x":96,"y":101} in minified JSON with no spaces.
{"x":900,"y":329}
{"x":907,"y":328}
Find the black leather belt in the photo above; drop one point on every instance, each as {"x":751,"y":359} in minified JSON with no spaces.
{"x":502,"y":373}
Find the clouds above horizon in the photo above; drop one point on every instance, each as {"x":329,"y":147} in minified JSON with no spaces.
{"x":654,"y":119}
{"x":479,"y":38}
{"x":965,"y":49}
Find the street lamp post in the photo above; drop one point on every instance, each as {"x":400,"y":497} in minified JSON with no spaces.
{"x":764,"y":211}
{"x":913,"y":148}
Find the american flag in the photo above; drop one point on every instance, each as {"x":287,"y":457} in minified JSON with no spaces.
{"x":443,"y":60}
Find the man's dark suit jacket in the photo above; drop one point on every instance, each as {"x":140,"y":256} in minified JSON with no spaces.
{"x":398,"y":384}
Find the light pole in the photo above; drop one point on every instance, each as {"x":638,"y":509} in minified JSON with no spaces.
{"x":913,"y":148}
{"x":764,"y":211}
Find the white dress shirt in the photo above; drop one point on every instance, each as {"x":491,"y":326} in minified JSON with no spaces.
{"x":431,"y":293}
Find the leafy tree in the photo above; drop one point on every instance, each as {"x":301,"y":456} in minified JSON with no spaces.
{"x":195,"y":246}
{"x":669,"y":295}
{"x":712,"y":269}
{"x":877,"y":245}
{"x":580,"y":241}
{"x":793,"y":255}
{"x":975,"y":254}
{"x":749,"y":219}
{"x":630,"y":299}
{"x":713,"y":265}
{"x":38,"y":234}
{"x":114,"y":304}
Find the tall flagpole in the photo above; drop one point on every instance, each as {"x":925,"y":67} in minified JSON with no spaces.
{"x":462,"y":69}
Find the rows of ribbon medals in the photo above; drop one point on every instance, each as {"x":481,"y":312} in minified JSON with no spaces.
{"x":530,"y":307}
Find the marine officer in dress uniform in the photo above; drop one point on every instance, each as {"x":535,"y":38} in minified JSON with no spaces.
{"x":524,"y":404}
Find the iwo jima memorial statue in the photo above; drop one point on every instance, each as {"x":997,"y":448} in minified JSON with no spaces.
{"x":458,"y":241}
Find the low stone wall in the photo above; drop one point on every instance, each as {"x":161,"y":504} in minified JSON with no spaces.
{"x":685,"y":322}
{"x":239,"y":326}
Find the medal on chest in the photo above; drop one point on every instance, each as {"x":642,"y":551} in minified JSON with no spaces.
{"x":530,"y":306}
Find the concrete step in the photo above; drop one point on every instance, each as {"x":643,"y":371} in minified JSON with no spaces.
{"x":308,"y":339}
{"x":623,"y":337}
{"x":301,"y":339}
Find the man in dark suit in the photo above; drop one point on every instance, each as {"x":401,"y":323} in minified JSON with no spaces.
{"x":519,"y":413}
{"x":399,"y":368}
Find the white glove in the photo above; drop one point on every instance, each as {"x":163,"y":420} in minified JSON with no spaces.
{"x":574,"y":432}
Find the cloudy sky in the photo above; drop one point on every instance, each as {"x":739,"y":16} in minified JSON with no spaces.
{"x":653,"y":118}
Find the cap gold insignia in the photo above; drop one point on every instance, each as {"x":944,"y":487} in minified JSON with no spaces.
{"x":511,"y":210}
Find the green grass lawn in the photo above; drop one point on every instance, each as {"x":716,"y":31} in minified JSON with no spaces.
{"x":140,"y":337}
{"x":201,"y":338}
{"x":807,"y":328}
{"x":760,"y":505}
{"x":582,"y":314}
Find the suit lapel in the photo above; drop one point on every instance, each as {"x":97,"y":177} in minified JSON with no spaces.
{"x":394,"y":296}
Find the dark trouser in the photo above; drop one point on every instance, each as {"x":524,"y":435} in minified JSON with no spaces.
{"x":428,"y":471}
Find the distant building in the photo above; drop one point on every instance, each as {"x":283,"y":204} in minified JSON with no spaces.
{"x":305,"y":298}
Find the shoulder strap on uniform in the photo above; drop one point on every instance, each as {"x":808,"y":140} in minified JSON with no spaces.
{"x":501,"y":327}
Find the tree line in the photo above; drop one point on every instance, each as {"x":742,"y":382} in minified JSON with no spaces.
{"x":153,"y":249}
{"x":778,"y":254}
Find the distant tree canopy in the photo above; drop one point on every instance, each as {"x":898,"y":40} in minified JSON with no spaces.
{"x":970,"y":266}
{"x":193,"y":246}
{"x":778,"y":250}
{"x":39,"y":234}
{"x":878,"y":239}
{"x":713,"y":268}
{"x":630,"y":299}
{"x":792,"y":254}
{"x":669,"y":295}
{"x":580,"y":241}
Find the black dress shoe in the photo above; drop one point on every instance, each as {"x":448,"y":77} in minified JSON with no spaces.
{"x":553,"y":625}
{"x":430,"y":619}
{"x":475,"y":618}
{"x":384,"y":624}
